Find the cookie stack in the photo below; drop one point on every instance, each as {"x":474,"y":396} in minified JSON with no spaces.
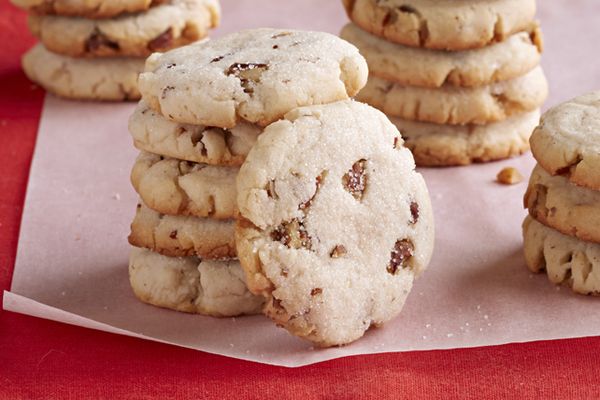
{"x":95,"y":49}
{"x":264,"y":188}
{"x":562,"y":231}
{"x":461,"y":80}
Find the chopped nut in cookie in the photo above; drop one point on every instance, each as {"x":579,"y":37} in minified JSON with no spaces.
{"x":355,"y":180}
{"x":162,"y":41}
{"x":509,"y":176}
{"x":292,"y":234}
{"x":97,"y":40}
{"x":402,"y":252}
{"x":249,"y":74}
{"x":338,"y":251}
{"x":414,"y":212}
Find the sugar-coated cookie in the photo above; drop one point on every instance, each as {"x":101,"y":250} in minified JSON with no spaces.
{"x":255,"y":75}
{"x":215,"y":288}
{"x":336,"y":222}
{"x":86,"y":8}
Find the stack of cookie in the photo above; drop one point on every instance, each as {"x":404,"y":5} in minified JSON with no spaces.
{"x":562,"y":231}
{"x":460,"y":79}
{"x":95,"y":50}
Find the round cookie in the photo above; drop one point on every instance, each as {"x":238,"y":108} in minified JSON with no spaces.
{"x":564,"y":258}
{"x":187,"y":284}
{"x":254,"y":75}
{"x":567,"y":141}
{"x":570,"y":209}
{"x":197,"y":143}
{"x":436,"y":145}
{"x":442,"y":24}
{"x":175,"y":187}
{"x":182,"y":236}
{"x":85,"y":8}
{"x":515,"y":56}
{"x":336,"y":222}
{"x":166,"y":26}
{"x":455,"y":105}
{"x":110,"y":79}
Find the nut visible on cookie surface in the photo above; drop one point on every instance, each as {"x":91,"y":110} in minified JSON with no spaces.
{"x":355,"y":180}
{"x":509,"y":176}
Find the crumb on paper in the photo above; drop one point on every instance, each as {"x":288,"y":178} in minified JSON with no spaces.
{"x":116,"y":196}
{"x":509,"y":176}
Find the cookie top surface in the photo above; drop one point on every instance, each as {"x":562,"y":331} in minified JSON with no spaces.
{"x":337,"y":221}
{"x":442,"y":24}
{"x":513,"y":57}
{"x":567,"y":141}
{"x":254,"y":75}
{"x":166,"y":26}
{"x":86,"y":8}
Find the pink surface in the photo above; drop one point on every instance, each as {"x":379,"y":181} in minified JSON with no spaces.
{"x":72,"y":255}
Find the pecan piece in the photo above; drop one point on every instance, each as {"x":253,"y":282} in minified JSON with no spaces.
{"x":97,"y":40}
{"x":292,"y":234}
{"x":414,"y":212}
{"x":355,"y":180}
{"x":162,"y":41}
{"x":248,"y":73}
{"x":338,"y":251}
{"x":401,"y":254}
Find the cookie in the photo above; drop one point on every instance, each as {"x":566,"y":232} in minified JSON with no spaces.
{"x":443,"y":25}
{"x":215,"y":288}
{"x":197,"y":143}
{"x":336,"y":222}
{"x":254,"y":75}
{"x":110,"y":79}
{"x":182,"y":236}
{"x":166,"y":26}
{"x":570,"y":209}
{"x":567,"y":141}
{"x":175,"y":187}
{"x":565,"y":259}
{"x":85,"y":8}
{"x":455,"y":105}
{"x":436,"y":145}
{"x":515,"y":56}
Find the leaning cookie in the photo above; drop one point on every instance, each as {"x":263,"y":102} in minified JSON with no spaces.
{"x":166,"y":26}
{"x":515,"y":56}
{"x":443,"y":25}
{"x":567,"y":141}
{"x":455,"y":105}
{"x":560,"y":204}
{"x":336,"y":222}
{"x":436,"y":145}
{"x":181,"y":236}
{"x":86,"y":8}
{"x":215,"y":288}
{"x":564,"y":258}
{"x":110,"y":79}
{"x":203,"y":144}
{"x":176,"y":187}
{"x":254,"y":75}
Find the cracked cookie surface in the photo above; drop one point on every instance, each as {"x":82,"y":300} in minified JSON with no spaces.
{"x":254,"y":75}
{"x":215,"y":288}
{"x":86,"y":8}
{"x":336,"y":222}
{"x":442,"y":24}
{"x":565,"y":259}
{"x":110,"y":79}
{"x":166,"y":26}
{"x":515,"y":56}
{"x":436,"y":145}
{"x":456,"y":105}
{"x":567,"y":141}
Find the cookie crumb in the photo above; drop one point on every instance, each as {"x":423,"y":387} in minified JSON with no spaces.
{"x":509,"y":176}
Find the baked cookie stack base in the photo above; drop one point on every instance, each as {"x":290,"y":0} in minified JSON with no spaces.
{"x":95,"y":50}
{"x":461,"y":80}
{"x":562,"y":231}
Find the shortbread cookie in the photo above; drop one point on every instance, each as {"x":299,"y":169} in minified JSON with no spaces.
{"x":455,"y":105}
{"x":254,"y":75}
{"x":187,"y":284}
{"x":106,"y":79}
{"x":564,"y":258}
{"x":567,"y":142}
{"x":570,"y":209}
{"x":197,"y":143}
{"x":515,"y":56}
{"x":182,"y":236}
{"x":166,"y":26}
{"x":436,"y":145}
{"x":336,"y":221}
{"x":86,"y":8}
{"x":175,"y":187}
{"x":442,"y":24}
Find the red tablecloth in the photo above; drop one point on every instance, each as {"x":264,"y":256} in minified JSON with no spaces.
{"x":39,"y":358}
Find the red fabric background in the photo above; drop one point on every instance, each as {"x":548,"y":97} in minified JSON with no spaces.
{"x":43,"y":359}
